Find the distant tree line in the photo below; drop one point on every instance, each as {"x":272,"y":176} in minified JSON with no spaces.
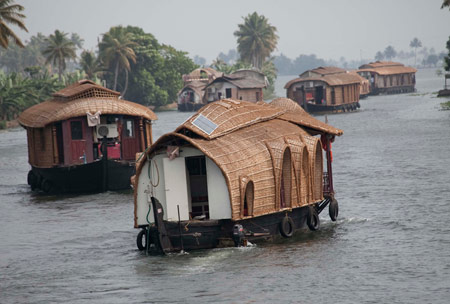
{"x":126,"y":59}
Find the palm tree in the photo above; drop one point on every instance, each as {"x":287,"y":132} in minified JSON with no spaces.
{"x":389,"y":52}
{"x":415,"y":43}
{"x":58,"y":49}
{"x":10,"y":13}
{"x":256,"y":39}
{"x":115,"y":50}
{"x":90,"y":64}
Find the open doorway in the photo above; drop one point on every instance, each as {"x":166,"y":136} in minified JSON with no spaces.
{"x":228,"y":93}
{"x":198,"y":187}
{"x":318,"y":95}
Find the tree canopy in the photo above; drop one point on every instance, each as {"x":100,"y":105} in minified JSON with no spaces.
{"x":256,"y":39}
{"x":59,"y":48}
{"x":10,"y":14}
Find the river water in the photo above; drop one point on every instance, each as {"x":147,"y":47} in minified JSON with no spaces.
{"x":391,"y":243}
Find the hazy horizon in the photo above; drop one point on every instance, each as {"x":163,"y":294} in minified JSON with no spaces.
{"x":353,"y":29}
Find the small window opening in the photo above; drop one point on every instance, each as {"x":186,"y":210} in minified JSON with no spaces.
{"x":76,"y":129}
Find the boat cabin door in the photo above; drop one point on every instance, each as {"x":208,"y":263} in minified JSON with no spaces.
{"x":79,"y":140}
{"x":130,"y":139}
{"x":318,"y":95}
{"x":197,"y":185}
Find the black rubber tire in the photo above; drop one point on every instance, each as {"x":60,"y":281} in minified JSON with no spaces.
{"x":313,"y":220}
{"x":141,"y":240}
{"x":287,"y":227}
{"x":46,"y":186}
{"x":32,"y":179}
{"x":333,"y":210}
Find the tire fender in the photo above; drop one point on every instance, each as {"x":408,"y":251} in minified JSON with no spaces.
{"x":287,"y":227}
{"x":313,"y":220}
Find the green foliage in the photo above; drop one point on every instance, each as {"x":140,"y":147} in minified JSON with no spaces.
{"x":270,"y":71}
{"x":18,"y":93}
{"x":256,"y":39}
{"x":116,"y":51}
{"x":2,"y":124}
{"x":15,"y":59}
{"x":221,"y":66}
{"x":156,"y":77}
{"x":447,"y":58}
{"x":445,"y":105}
{"x":390,"y":52}
{"x":10,"y":14}
{"x":90,"y":64}
{"x":58,"y":49}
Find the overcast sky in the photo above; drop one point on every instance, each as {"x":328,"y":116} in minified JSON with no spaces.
{"x":328,"y":28}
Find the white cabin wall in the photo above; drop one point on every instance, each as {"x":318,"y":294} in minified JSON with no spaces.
{"x":176,"y":189}
{"x":218,"y":197}
{"x":144,"y":186}
{"x":173,"y":175}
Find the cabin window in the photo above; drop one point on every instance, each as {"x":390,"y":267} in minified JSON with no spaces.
{"x":196,"y":167}
{"x":129,"y":128}
{"x":76,"y":129}
{"x":228,"y":93}
{"x":248,"y":199}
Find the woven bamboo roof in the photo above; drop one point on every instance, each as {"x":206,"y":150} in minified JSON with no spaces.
{"x":196,"y":86}
{"x":228,"y":115}
{"x":386,"y":68}
{"x":324,"y":71}
{"x":77,"y":99}
{"x":331,"y":79}
{"x":297,"y":115}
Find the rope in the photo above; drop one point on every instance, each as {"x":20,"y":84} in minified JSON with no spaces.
{"x":150,"y":160}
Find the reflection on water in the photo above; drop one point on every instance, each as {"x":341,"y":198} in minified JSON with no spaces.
{"x":390,"y":244}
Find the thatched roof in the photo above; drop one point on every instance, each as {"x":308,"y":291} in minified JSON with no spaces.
{"x":323,"y":71}
{"x":196,"y":86}
{"x":228,"y":115}
{"x":77,"y":99}
{"x":248,"y":144}
{"x":331,"y":79}
{"x":297,"y":115}
{"x":386,"y":68}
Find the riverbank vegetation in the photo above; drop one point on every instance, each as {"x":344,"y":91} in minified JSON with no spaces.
{"x":126,"y":59}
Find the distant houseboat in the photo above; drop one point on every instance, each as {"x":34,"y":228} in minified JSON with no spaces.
{"x":326,"y":89}
{"x":242,"y":85}
{"x":388,"y":77}
{"x":85,"y":139}
{"x":236,"y":171}
{"x":190,"y":97}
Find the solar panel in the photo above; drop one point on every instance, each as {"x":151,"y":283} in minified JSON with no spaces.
{"x":204,"y":124}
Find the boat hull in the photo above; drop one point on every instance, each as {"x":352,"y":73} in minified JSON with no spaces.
{"x":189,"y":107}
{"x":318,"y":108}
{"x":210,"y":234}
{"x":392,"y":90}
{"x":97,"y":176}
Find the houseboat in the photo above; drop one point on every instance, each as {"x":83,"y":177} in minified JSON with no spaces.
{"x":242,"y":85}
{"x":190,"y":97}
{"x":387,"y":77}
{"x":85,"y":139}
{"x":326,"y":89}
{"x":236,"y":171}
